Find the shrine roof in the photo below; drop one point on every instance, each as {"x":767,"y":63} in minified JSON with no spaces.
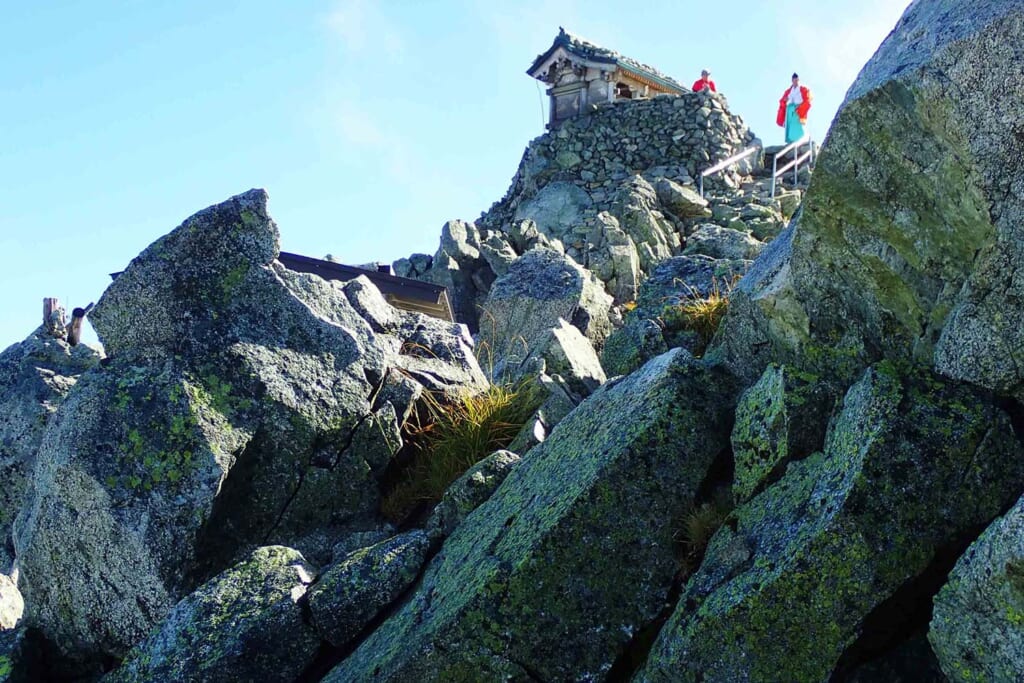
{"x":591,"y":52}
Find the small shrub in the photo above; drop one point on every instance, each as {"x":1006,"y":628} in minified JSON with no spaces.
{"x":700,"y":315}
{"x":454,"y":436}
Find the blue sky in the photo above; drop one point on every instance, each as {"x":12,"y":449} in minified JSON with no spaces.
{"x":369,"y":123}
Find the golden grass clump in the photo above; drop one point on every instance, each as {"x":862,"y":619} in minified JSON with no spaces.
{"x":453,"y":436}
{"x":700,"y":315}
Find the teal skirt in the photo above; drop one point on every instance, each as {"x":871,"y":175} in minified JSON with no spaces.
{"x":794,"y":129}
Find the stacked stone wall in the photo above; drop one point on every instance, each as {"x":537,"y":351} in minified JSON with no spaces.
{"x":673,"y":136}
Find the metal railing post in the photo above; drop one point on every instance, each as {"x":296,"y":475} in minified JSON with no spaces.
{"x":775,"y":172}
{"x":722,"y":165}
{"x":795,"y":164}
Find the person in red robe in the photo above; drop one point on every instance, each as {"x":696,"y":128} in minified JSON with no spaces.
{"x":704,"y":82}
{"x":793,"y":108}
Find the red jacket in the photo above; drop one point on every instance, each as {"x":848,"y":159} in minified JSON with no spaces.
{"x":802,"y":108}
{"x":699,"y":85}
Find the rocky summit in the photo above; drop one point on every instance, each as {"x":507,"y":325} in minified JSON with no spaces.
{"x":663,"y":435}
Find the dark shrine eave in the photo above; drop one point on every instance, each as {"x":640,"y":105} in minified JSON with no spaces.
{"x":402,"y":292}
{"x":385,"y":282}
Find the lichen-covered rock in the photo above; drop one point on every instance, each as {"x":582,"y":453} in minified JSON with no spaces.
{"x":685,"y":277}
{"x":572,"y":356}
{"x":352,"y":592}
{"x":469,"y":491}
{"x":674,"y":281}
{"x":573,"y":554}
{"x":723,"y":243}
{"x":977,"y":627}
{"x":789,"y":202}
{"x":780,"y":417}
{"x":125,"y":479}
{"x":35,"y":375}
{"x":245,"y":624}
{"x":908,"y":244}
{"x":632,"y":345}
{"x":413,"y":267}
{"x":640,"y":217}
{"x":435,"y":354}
{"x":172,"y":298}
{"x":682,"y":201}
{"x":263,"y":415}
{"x":910,"y":466}
{"x":466,"y":264}
{"x":498,"y":253}
{"x":556,"y":209}
{"x":762,"y":311}
{"x":459,"y":266}
{"x":540,"y":288}
{"x":557,"y":400}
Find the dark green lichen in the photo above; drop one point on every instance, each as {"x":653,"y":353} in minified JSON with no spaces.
{"x":910,"y":464}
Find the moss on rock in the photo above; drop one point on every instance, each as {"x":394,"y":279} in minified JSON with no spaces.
{"x":977,"y":629}
{"x":910,"y":465}
{"x":574,"y":552}
{"x":782,"y":416}
{"x":352,"y":592}
{"x":245,"y":624}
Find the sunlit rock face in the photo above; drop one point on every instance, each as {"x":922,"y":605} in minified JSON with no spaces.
{"x":908,"y":246}
{"x":242,"y":404}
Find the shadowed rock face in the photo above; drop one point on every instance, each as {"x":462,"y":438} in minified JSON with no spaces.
{"x":35,"y":375}
{"x":976,"y":628}
{"x":244,"y":624}
{"x":240,"y":407}
{"x":909,"y":243}
{"x":352,"y":592}
{"x":573,"y":554}
{"x":910,"y":467}
{"x":19,"y":657}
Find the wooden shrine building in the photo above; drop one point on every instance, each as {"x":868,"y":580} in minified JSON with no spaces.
{"x":579,"y":73}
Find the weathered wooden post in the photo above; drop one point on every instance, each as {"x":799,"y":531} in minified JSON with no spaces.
{"x":53,"y":317}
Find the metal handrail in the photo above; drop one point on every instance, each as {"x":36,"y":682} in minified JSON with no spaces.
{"x":795,"y":164}
{"x":722,"y":164}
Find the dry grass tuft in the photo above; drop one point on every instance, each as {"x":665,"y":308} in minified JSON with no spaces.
{"x":700,"y":315}
{"x":699,"y":524}
{"x":454,"y":436}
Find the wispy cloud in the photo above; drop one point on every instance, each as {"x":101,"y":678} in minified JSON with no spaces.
{"x":360,"y":130}
{"x":362,"y":24}
{"x":840,"y":47}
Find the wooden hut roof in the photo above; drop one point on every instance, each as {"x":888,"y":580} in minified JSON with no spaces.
{"x":596,"y":55}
